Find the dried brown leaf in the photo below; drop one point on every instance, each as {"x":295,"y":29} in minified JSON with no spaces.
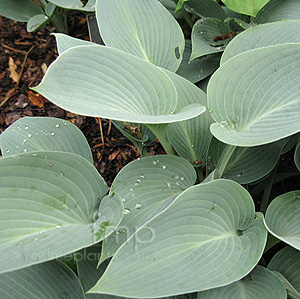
{"x":35,"y":99}
{"x":12,"y":69}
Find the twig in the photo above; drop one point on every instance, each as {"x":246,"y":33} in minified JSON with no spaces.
{"x":12,"y":91}
{"x":98,"y":119}
{"x":109,"y":127}
{"x":13,"y":49}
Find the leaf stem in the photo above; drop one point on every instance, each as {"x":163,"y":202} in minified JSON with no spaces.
{"x":267,"y":191}
{"x":160,"y":131}
{"x":187,"y":17}
{"x":223,"y":161}
{"x":200,"y":174}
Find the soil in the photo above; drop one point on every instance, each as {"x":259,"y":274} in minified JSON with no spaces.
{"x":23,"y":61}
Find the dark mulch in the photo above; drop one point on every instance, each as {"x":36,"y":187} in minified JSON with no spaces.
{"x":17,"y":101}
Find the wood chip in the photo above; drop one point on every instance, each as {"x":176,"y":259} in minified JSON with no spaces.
{"x":12,"y":69}
{"x":35,"y":99}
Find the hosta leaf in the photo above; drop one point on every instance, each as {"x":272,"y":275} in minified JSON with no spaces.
{"x":47,"y":280}
{"x":88,"y":272}
{"x":287,"y":263}
{"x":246,"y":7}
{"x":260,"y":283}
{"x":207,"y":37}
{"x":210,"y":229}
{"x":46,"y":199}
{"x":65,"y":42}
{"x":37,"y":22}
{"x":247,"y":164}
{"x":297,"y":156}
{"x":198,"y":69}
{"x":261,"y":94}
{"x":75,"y":4}
{"x":205,"y":8}
{"x":32,"y":134}
{"x":277,"y":10}
{"x":113,"y":84}
{"x":282,"y":218}
{"x":145,"y":185}
{"x":143,"y":28}
{"x":19,"y":10}
{"x":262,"y":36}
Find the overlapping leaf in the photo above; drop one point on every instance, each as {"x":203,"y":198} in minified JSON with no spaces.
{"x":19,"y":10}
{"x":75,"y":4}
{"x":247,"y":164}
{"x":207,"y":37}
{"x":49,"y":207}
{"x":205,"y":8}
{"x":198,"y":69}
{"x":47,"y":280}
{"x":260,"y":101}
{"x":145,"y":185}
{"x":262,"y":36}
{"x":142,"y":28}
{"x":260,"y":283}
{"x":246,"y":7}
{"x":277,"y":10}
{"x":105,"y":82}
{"x":32,"y":134}
{"x":286,"y":264}
{"x":282,"y":218}
{"x":210,"y":229}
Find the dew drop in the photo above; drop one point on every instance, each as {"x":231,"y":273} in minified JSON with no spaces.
{"x":57,"y":226}
{"x":52,"y":133}
{"x":65,"y":123}
{"x":164,"y":167}
{"x":123,"y":199}
{"x":7,"y":150}
{"x":25,"y":140}
{"x":57,"y":125}
{"x":192,"y":145}
{"x":25,"y":150}
{"x":35,"y":239}
{"x":65,"y":207}
{"x":138,"y":206}
{"x":176,"y":177}
{"x":169,"y":185}
{"x":154,"y":163}
{"x":17,"y":146}
{"x":142,"y":176}
{"x":136,"y":184}
{"x":34,"y":155}
{"x":26,"y":127}
{"x":19,"y":128}
{"x":177,"y":184}
{"x":131,"y":189}
{"x":61,"y":174}
{"x":126,"y":211}
{"x":29,"y":135}
{"x":211,"y":110}
{"x":182,"y":178}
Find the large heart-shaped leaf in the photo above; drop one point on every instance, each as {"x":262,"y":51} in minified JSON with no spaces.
{"x":262,"y":93}
{"x":145,"y":185}
{"x":49,"y":207}
{"x":32,"y":134}
{"x":260,"y":283}
{"x":210,"y":228}
{"x":105,"y":82}
{"x":198,"y":69}
{"x":143,"y":28}
{"x":287,"y":263}
{"x":282,"y":218}
{"x":205,"y":8}
{"x":262,"y":36}
{"x":47,"y":280}
{"x":246,"y":7}
{"x":247,"y":164}
{"x":277,"y":10}
{"x":19,"y":10}
{"x":209,"y":36}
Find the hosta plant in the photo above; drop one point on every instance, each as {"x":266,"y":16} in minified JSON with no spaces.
{"x":201,"y":221}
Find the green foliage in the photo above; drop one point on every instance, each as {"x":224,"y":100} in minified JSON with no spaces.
{"x":157,"y":234}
